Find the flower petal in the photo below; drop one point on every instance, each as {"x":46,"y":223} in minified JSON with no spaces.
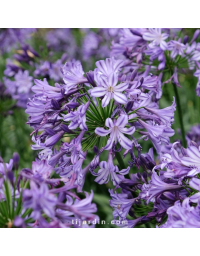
{"x":119,"y":97}
{"x":113,"y":137}
{"x":101,"y":131}
{"x":113,"y":79}
{"x":121,"y":87}
{"x":103,"y":177}
{"x":106,"y":99}
{"x":122,"y":121}
{"x":163,"y":45}
{"x":148,"y":36}
{"x":125,"y":171}
{"x":129,"y":131}
{"x":124,"y":141}
{"x":98,"y":91}
{"x":109,"y":123}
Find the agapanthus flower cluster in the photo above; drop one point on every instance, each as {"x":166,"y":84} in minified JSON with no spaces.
{"x":61,"y":40}
{"x":101,"y":110}
{"x":165,"y":50}
{"x":193,"y":135}
{"x":106,"y":115}
{"x":97,"y":43}
{"x":167,"y":194}
{"x":33,"y":198}
{"x":11,"y":37}
{"x":22,"y":68}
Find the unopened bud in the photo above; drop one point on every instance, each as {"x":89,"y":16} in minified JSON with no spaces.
{"x":10,"y":177}
{"x":55,"y":104}
{"x":129,"y":106}
{"x":196,"y":34}
{"x":90,"y":78}
{"x":185,"y":40}
{"x":96,"y":150}
{"x":16,"y":160}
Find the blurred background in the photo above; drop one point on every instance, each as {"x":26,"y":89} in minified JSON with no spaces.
{"x":42,"y":52}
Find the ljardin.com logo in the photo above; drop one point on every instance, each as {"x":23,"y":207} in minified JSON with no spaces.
{"x":80,"y":222}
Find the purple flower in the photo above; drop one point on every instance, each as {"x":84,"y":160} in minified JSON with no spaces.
{"x":78,"y":117}
{"x":109,"y":89}
{"x":107,"y":170}
{"x":8,"y":166}
{"x":10,"y":86}
{"x":116,"y":130}
{"x":154,"y":132}
{"x":23,"y":81}
{"x":40,"y":171}
{"x":54,"y":139}
{"x":90,"y":44}
{"x":183,"y":216}
{"x":16,"y":160}
{"x":166,"y":114}
{"x":11,"y":68}
{"x":73,"y":74}
{"x":11,"y":37}
{"x":74,"y":147}
{"x":193,"y":135}
{"x":157,"y":186}
{"x":42,"y":88}
{"x":39,"y":199}
{"x":197,"y":74}
{"x":61,"y":40}
{"x":176,"y":48}
{"x":121,"y":203}
{"x":107,"y":67}
{"x":84,"y":209}
{"x":155,"y":35}
{"x":192,"y":159}
{"x":43,"y":69}
{"x":55,"y":71}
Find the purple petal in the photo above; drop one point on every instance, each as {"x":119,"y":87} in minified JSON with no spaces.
{"x":101,"y":131}
{"x":119,"y":97}
{"x":121,"y":87}
{"x":124,"y":141}
{"x":113,"y":79}
{"x":129,"y":131}
{"x":98,"y":91}
{"x":109,"y":123}
{"x":106,"y":99}
{"x":111,"y":140}
{"x":122,"y":121}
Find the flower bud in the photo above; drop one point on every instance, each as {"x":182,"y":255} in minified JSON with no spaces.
{"x":129,"y":106}
{"x":16,"y":160}
{"x":96,"y":150}
{"x":10,"y":177}
{"x":185,"y":40}
{"x":54,"y":139}
{"x":196,"y":34}
{"x":55,"y":104}
{"x":90,"y":78}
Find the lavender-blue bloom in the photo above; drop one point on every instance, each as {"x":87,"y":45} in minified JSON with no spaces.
{"x":77,"y":118}
{"x":116,"y":130}
{"x":107,"y":170}
{"x":39,"y":199}
{"x":109,"y":89}
{"x":183,"y":216}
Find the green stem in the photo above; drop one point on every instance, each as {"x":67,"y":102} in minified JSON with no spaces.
{"x":120,"y":160}
{"x":180,"y":115}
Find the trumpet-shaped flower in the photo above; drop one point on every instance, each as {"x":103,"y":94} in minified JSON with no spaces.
{"x":116,"y":131}
{"x":109,"y":89}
